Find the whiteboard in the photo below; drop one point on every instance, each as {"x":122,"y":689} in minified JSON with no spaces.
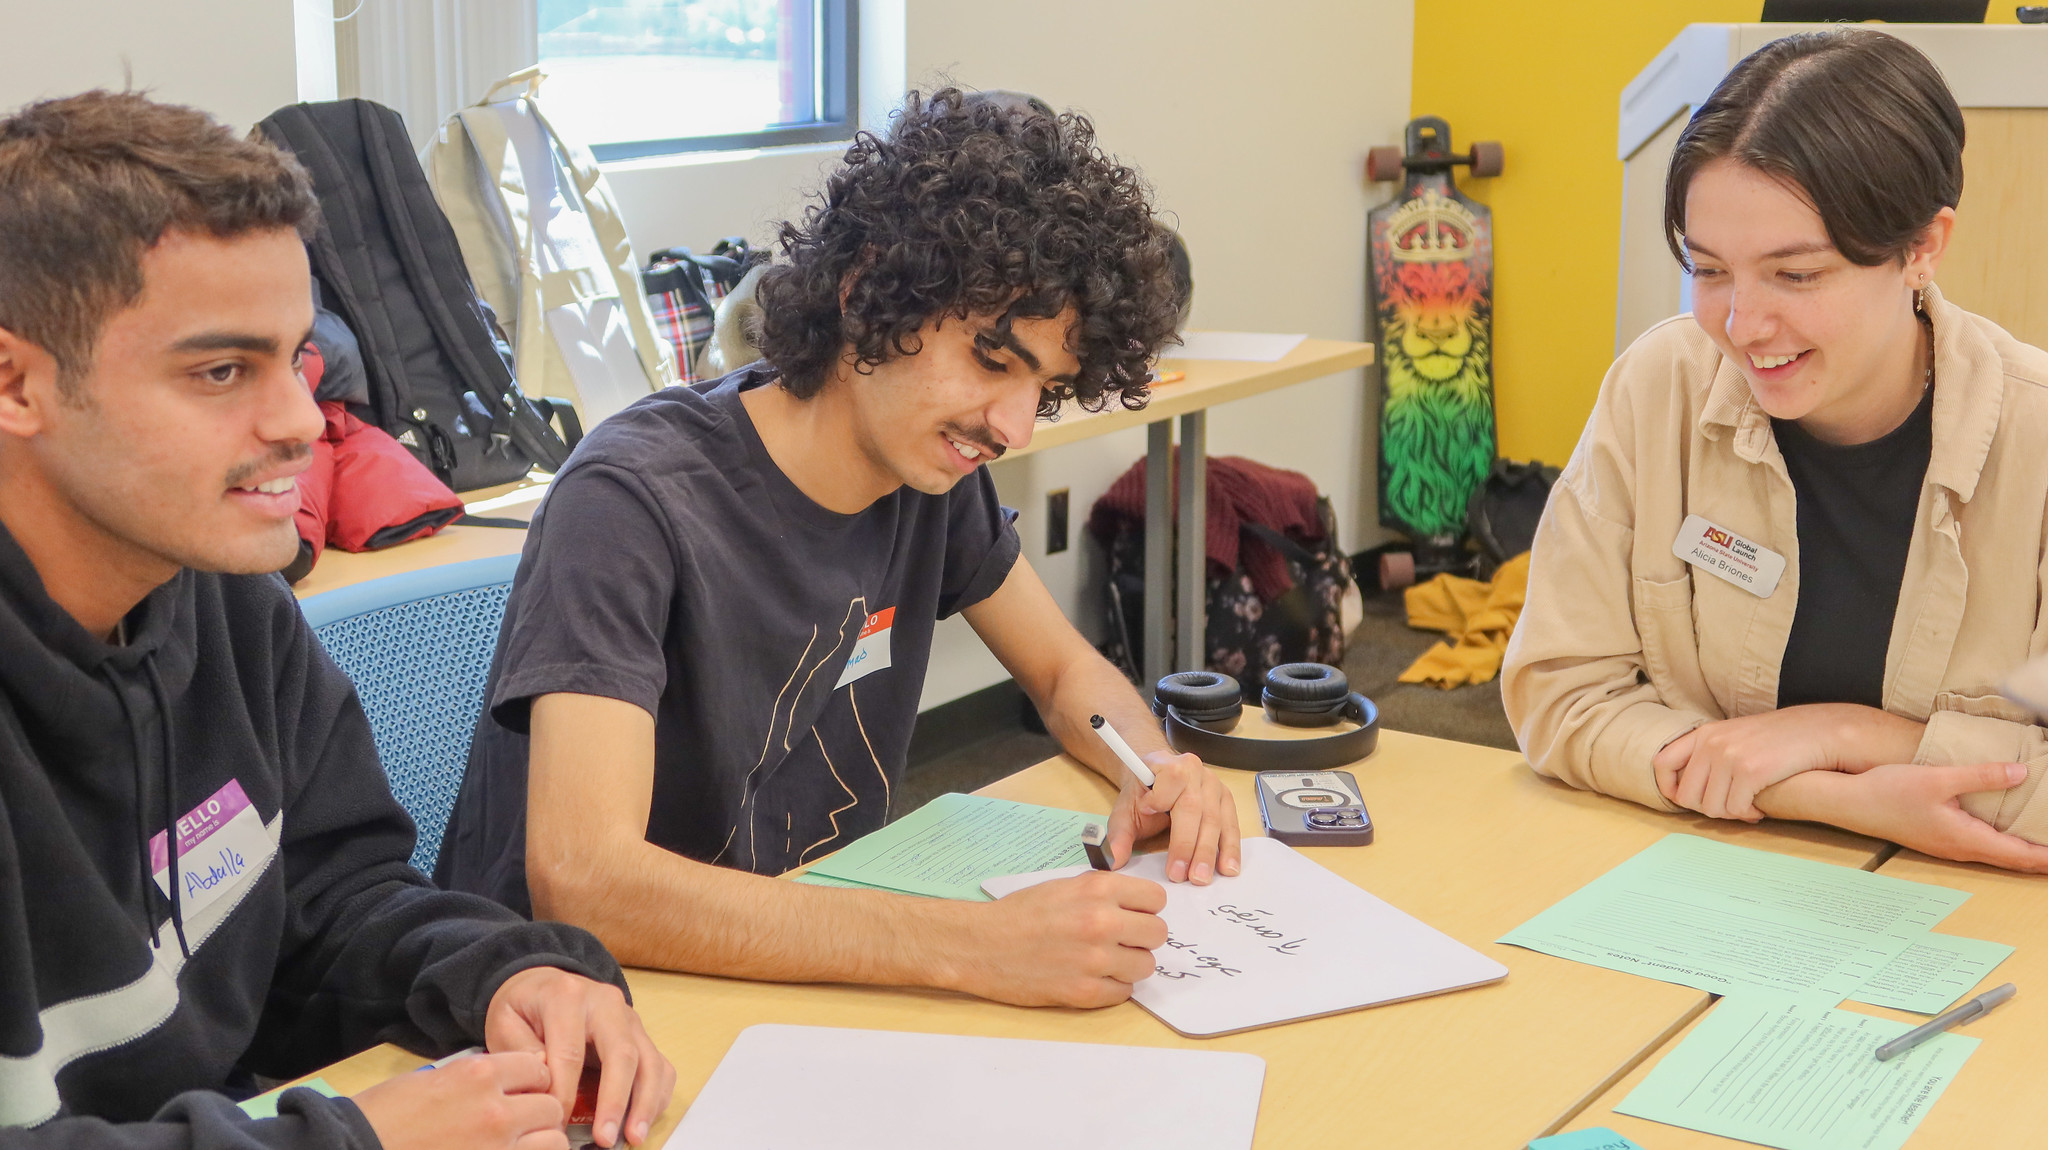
{"x":822,"y":1088}
{"x":1283,"y":941}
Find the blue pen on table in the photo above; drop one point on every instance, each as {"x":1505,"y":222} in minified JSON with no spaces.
{"x":1975,"y":1008}
{"x":1129,"y":758}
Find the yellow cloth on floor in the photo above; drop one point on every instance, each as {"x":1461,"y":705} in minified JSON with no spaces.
{"x":1477,"y":616}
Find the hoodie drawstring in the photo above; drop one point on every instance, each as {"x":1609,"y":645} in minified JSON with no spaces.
{"x":141,"y":819}
{"x":163,"y":710}
{"x":170,"y":799}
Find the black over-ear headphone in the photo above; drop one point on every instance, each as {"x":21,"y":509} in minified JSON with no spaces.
{"x":1201,"y":707}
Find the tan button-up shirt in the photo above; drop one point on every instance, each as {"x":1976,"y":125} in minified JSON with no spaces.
{"x":1623,"y":646}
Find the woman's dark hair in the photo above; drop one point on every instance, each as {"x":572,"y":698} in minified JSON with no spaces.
{"x":1859,"y":122}
{"x":986,"y":204}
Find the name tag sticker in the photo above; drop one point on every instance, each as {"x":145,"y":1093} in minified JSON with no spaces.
{"x":219,"y":841}
{"x":1726,"y":555}
{"x":871,"y":652}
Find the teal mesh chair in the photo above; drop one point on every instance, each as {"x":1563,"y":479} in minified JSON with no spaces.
{"x":418,"y":647}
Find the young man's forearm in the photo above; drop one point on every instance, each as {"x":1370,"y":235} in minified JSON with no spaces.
{"x":657,"y":909}
{"x":1091,"y":686}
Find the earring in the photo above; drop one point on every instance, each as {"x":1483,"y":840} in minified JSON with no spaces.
{"x":1920,"y":297}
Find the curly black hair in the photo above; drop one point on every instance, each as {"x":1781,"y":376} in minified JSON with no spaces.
{"x":984,"y":204}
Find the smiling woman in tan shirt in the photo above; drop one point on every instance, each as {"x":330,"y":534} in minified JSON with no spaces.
{"x":1802,"y":536}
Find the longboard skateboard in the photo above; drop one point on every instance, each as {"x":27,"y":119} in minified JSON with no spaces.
{"x":1431,"y":288}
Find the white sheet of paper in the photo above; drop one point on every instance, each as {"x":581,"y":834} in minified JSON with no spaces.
{"x":1242,"y":346}
{"x":1284,"y":941}
{"x":822,"y":1088}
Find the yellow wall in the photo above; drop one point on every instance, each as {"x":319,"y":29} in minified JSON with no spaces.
{"x":1546,"y":80}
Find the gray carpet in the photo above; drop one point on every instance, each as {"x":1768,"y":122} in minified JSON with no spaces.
{"x":1374,"y":656}
{"x":1382,"y":647}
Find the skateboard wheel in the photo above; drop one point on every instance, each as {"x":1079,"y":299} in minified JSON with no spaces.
{"x":1383,"y":163}
{"x":1487,"y":158}
{"x":1397,"y":570}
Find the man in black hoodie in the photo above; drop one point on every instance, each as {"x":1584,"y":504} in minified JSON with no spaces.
{"x":203,"y":876}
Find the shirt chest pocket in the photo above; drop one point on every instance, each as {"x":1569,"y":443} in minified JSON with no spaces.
{"x":1670,"y":643}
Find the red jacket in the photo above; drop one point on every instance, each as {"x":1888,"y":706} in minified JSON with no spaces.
{"x":365,"y":490}
{"x":1240,"y":491}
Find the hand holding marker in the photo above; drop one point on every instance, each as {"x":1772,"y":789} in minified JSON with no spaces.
{"x":1185,"y":797}
{"x":1094,"y":837}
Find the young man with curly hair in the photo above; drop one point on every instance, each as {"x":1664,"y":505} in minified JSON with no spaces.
{"x":203,"y":873}
{"x":712,"y":658}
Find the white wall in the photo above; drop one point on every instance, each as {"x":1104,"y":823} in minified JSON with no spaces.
{"x":240,"y":61}
{"x":1250,"y":121}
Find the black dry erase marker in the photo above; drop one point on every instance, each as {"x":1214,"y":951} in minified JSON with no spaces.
{"x":1092,"y":837}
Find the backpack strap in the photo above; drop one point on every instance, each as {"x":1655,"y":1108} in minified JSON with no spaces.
{"x":339,"y":255}
{"x":433,"y":262}
{"x":609,"y":226}
{"x":1278,"y":541}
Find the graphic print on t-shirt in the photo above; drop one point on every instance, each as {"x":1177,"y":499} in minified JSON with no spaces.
{"x":867,"y":632}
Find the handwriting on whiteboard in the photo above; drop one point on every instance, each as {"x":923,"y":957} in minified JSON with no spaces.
{"x":1258,"y":922}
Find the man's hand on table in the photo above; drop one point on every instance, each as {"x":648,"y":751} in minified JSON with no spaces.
{"x":1914,"y":805}
{"x":1187,"y":797}
{"x":1718,"y":768}
{"x":538,"y":1028}
{"x":491,"y":1102}
{"x":549,"y":1012}
{"x":1082,"y":941}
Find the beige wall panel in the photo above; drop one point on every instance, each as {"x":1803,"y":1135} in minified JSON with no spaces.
{"x":1650,"y":278}
{"x":1997,"y":265}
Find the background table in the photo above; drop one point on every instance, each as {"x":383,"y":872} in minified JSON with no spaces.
{"x":1469,"y":840}
{"x":1208,"y":383}
{"x":1997,"y":1100}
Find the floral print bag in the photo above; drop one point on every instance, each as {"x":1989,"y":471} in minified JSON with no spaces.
{"x":1246,"y":634}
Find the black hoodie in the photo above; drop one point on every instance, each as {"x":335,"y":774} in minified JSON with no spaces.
{"x":326,"y":943}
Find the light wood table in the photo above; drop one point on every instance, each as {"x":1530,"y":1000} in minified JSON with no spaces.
{"x":455,"y":544}
{"x":1469,"y":840}
{"x":1208,"y":382}
{"x":1997,"y":1099}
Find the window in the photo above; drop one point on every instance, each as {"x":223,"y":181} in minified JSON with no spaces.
{"x":636,"y":78}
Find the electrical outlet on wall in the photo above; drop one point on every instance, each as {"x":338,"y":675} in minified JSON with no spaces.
{"x":1056,"y":521}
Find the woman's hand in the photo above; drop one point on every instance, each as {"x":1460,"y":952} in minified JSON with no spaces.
{"x":1916,"y":806}
{"x":1717,"y":769}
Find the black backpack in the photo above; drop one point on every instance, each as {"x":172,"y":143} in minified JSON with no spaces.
{"x":1504,"y":511}
{"x":438,"y":370}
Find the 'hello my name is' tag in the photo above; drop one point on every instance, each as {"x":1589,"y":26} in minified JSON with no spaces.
{"x":1724,"y":554}
{"x":219,"y":842}
{"x":871,"y":650}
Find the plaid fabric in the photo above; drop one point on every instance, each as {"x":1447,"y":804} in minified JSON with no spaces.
{"x":685,"y":322}
{"x":683,"y":291}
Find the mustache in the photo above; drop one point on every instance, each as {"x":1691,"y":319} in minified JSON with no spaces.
{"x":979,"y":436}
{"x":281,"y":454}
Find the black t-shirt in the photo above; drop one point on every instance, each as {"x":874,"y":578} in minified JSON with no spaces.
{"x":781,"y":647}
{"x":1856,"y":509}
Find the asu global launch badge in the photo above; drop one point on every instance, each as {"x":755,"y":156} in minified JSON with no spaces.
{"x":1724,"y":554}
